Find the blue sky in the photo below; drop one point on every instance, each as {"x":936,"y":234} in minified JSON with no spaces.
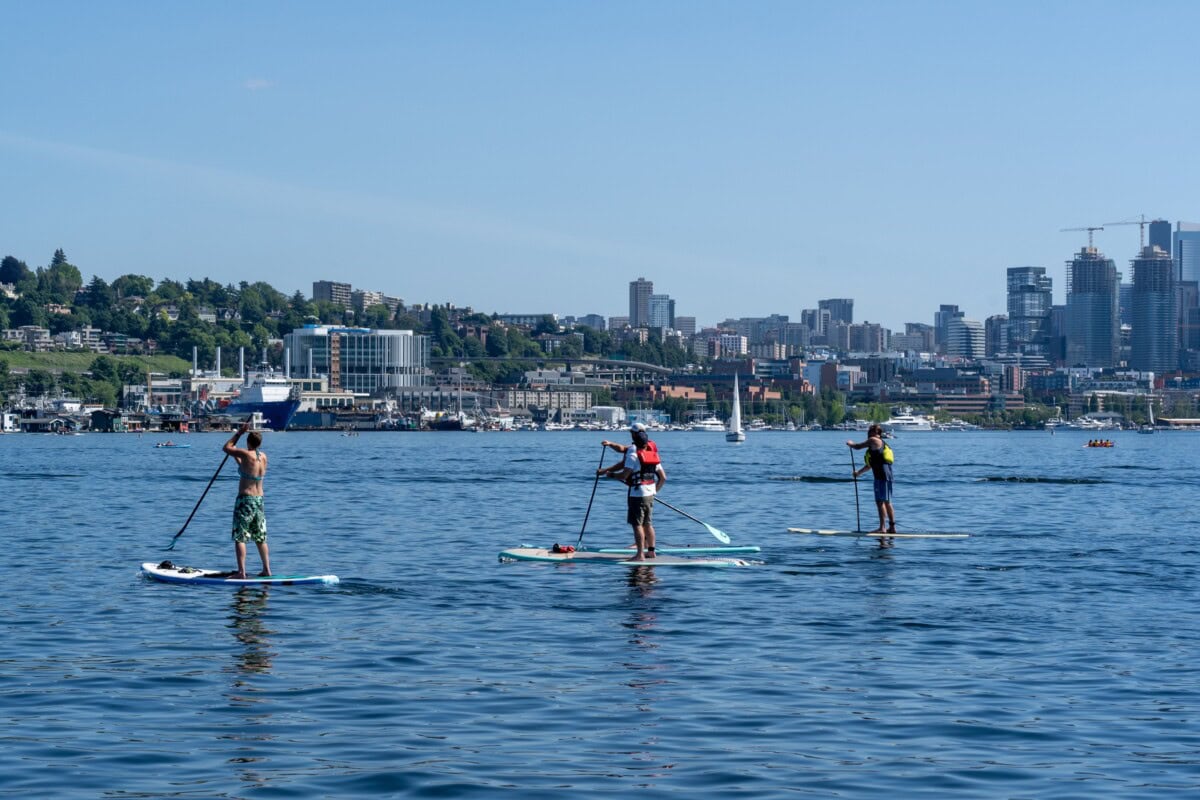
{"x":749,"y":158}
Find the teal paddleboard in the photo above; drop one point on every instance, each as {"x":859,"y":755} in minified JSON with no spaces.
{"x":171,"y":573}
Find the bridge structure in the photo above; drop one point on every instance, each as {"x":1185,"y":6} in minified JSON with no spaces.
{"x":616,"y":371}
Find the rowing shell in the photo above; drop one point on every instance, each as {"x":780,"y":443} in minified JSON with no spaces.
{"x":170,"y":573}
{"x":918,"y":535}
{"x":619,"y":558}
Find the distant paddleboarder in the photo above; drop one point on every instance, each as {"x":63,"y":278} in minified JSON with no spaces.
{"x":249,"y":514}
{"x":879,"y":461}
{"x":642,"y":471}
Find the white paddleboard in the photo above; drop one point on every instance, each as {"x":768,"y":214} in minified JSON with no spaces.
{"x":913,"y":535}
{"x":171,"y":573}
{"x":594,"y":557}
{"x":699,"y":549}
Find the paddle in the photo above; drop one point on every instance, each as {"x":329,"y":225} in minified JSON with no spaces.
{"x":719,"y":535}
{"x":857,"y":511}
{"x":587,"y":513}
{"x":211,"y":480}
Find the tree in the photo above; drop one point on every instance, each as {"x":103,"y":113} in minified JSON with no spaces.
{"x":104,"y":368}
{"x":39,"y":382}
{"x":100,"y":295}
{"x":15,"y":272}
{"x":133,"y":286}
{"x":60,"y":281}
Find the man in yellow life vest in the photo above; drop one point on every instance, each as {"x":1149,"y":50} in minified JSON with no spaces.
{"x":879,"y":460}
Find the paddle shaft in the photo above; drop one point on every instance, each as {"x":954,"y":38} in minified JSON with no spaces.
{"x":719,"y":535}
{"x":857,"y":508}
{"x":198,"y":502}
{"x":211,"y":481}
{"x":595,"y":483}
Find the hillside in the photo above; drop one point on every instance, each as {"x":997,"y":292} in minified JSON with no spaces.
{"x":80,"y":362}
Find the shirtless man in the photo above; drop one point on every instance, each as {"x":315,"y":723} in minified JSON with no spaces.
{"x":249,"y":515}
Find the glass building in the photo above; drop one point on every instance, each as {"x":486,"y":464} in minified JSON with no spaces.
{"x":359,"y":360}
{"x":639,"y":302}
{"x":1030,"y":297}
{"x":1155,"y":341}
{"x":1093,"y":293}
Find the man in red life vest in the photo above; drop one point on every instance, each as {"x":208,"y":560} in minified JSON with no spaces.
{"x":642,"y":471}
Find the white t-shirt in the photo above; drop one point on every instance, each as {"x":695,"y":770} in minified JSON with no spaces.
{"x":632,"y":462}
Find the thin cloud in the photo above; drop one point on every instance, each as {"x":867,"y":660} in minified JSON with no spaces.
{"x":258,"y":84}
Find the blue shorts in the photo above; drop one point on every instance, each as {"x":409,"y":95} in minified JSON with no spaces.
{"x":883,"y":491}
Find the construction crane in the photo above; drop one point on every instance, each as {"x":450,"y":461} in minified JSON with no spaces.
{"x":1090,"y":231}
{"x":1141,"y":223}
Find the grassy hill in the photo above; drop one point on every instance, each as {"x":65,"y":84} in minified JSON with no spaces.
{"x":80,"y":362}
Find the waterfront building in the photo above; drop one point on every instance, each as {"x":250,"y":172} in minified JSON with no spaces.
{"x":639,"y":302}
{"x":1030,"y":297}
{"x":841,"y":309}
{"x":1092,"y":295}
{"x":1154,"y":345}
{"x":359,"y":360}
{"x":332,"y":292}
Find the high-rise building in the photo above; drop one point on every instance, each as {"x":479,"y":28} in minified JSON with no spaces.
{"x":995,"y":335}
{"x":639,"y":302}
{"x":686,"y":325}
{"x":1093,"y":331}
{"x":1160,"y":235}
{"x":1154,"y":345}
{"x":1030,"y":296}
{"x":941,"y":323}
{"x":332,"y":292}
{"x":660,"y":311}
{"x":841,"y":309}
{"x":358,"y":359}
{"x":965,"y":338}
{"x":1185,"y":248}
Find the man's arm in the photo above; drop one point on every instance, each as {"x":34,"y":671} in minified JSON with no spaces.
{"x":662,"y":478}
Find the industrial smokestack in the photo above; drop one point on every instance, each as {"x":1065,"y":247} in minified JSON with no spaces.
{"x":218,"y":361}
{"x":195,"y":361}
{"x":242,"y":364}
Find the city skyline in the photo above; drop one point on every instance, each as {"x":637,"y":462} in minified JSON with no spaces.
{"x":518,"y":157}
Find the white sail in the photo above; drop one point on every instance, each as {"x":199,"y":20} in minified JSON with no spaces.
{"x":735,"y":433}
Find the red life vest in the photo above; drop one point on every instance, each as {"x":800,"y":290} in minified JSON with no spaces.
{"x":648,"y":461}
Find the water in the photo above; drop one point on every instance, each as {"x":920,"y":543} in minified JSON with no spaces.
{"x":1051,"y":655}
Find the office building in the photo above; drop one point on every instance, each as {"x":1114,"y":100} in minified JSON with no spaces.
{"x":639,"y":302}
{"x":332,"y":292}
{"x":965,"y":338}
{"x":1030,"y":297}
{"x":1185,"y":248}
{"x":941,"y":324}
{"x":841,"y":309}
{"x":1160,"y":235}
{"x":594,"y":321}
{"x":686,"y":325}
{"x":661,"y":312}
{"x":1154,"y":343}
{"x":359,"y":360}
{"x":995,"y":335}
{"x":1093,"y":332}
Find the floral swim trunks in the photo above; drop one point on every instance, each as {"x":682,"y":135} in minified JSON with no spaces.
{"x":249,"y":519}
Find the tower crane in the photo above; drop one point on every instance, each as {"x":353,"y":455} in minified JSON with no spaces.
{"x":1141,"y":223}
{"x":1090,"y":230}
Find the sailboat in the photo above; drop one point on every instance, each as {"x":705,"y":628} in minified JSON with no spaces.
{"x":1148,"y":428}
{"x":735,"y":433}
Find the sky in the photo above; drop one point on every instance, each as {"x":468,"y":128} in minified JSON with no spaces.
{"x":750,"y":158}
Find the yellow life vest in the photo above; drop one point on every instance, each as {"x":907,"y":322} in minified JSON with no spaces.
{"x":888,"y":456}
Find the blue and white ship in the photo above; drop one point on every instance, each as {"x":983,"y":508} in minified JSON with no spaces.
{"x":272,"y":396}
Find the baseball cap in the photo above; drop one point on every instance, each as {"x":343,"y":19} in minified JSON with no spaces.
{"x":637,"y":427}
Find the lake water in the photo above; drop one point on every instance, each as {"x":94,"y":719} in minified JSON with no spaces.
{"x":1053,"y":654}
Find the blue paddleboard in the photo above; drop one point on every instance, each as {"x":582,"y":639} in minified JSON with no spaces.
{"x":172,"y":573}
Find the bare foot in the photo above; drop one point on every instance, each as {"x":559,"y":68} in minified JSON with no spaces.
{"x":638,"y":557}
{"x":238,"y":576}
{"x":264,"y":574}
{"x":877,"y":530}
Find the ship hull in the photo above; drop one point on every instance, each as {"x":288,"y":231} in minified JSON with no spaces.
{"x":276,"y":415}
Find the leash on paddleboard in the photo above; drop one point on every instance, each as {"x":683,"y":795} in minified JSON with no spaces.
{"x":211,"y":480}
{"x":857,"y":511}
{"x":719,"y":535}
{"x":595,"y":483}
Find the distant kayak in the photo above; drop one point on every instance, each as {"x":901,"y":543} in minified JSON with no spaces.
{"x":171,"y":444}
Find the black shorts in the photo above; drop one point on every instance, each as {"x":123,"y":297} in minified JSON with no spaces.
{"x":641,"y":509}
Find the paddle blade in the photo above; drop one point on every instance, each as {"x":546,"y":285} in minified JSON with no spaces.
{"x":719,"y":535}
